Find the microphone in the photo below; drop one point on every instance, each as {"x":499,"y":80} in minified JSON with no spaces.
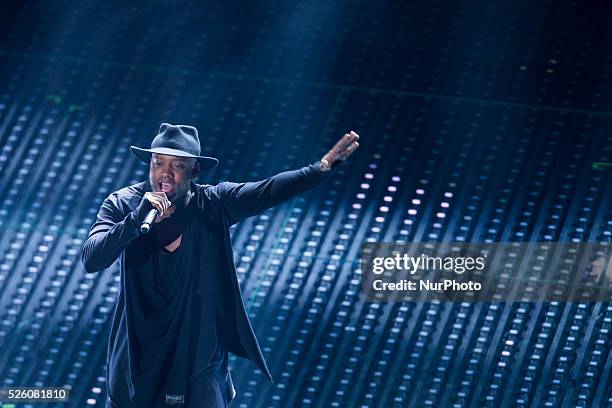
{"x":148,"y":221}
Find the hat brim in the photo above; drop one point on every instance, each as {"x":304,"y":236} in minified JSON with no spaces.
{"x":206,"y":163}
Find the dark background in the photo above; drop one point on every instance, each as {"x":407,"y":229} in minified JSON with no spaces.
{"x":480,"y":121}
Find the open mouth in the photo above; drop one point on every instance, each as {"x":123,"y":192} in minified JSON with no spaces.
{"x":166,"y":187}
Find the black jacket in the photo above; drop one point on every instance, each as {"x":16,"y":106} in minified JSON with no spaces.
{"x":116,"y":234}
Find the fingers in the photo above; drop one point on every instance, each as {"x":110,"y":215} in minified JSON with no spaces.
{"x":158,"y":200}
{"x":347,"y":140}
{"x":168,"y":213}
{"x":346,"y":146}
{"x":349,"y":150}
{"x":343,"y":148}
{"x":344,"y":143}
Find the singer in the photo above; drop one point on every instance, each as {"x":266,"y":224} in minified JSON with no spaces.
{"x":179,"y":310}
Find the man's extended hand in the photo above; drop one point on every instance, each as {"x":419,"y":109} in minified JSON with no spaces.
{"x":341,"y":151}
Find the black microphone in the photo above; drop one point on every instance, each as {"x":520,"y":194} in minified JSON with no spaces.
{"x":148,"y":221}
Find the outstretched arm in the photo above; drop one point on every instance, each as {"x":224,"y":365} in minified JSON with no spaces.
{"x":243,"y":200}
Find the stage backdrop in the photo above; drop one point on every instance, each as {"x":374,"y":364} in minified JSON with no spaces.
{"x":480,"y":121}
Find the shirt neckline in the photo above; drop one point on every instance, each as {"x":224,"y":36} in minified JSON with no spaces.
{"x":164,"y":251}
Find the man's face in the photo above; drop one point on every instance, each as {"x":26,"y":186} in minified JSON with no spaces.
{"x":171,"y":174}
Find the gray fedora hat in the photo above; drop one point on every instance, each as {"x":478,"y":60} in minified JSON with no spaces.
{"x":176,"y":140}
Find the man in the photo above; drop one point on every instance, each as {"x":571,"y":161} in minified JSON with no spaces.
{"x":179,"y":310}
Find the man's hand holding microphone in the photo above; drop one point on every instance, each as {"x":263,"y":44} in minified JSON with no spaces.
{"x":162,"y":209}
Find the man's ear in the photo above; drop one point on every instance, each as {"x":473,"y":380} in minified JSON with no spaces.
{"x":195,"y":170}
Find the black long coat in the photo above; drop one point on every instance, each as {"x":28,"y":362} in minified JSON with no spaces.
{"x":115,"y":234}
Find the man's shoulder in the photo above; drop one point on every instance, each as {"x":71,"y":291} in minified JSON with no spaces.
{"x":128,"y":194}
{"x":137,"y":189}
{"x":207,"y":197}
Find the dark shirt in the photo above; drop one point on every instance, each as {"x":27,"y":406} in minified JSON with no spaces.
{"x":164,"y":271}
{"x":173,"y":310}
